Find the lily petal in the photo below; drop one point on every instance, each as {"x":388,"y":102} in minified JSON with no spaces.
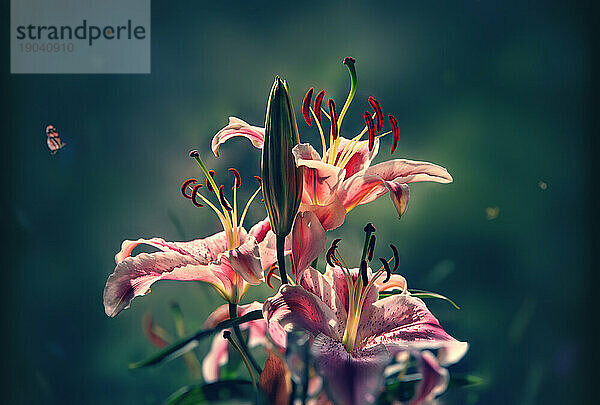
{"x":308,"y":240}
{"x":369,"y":184}
{"x":216,"y":357}
{"x":134,"y":276}
{"x":294,"y":308}
{"x":238,"y":127}
{"x":331,"y":215}
{"x":245,"y":260}
{"x":361,"y":159}
{"x":335,"y":275}
{"x":321,"y":180}
{"x":403,"y":322}
{"x":350,"y":378}
{"x":399,"y":194}
{"x":434,"y":380}
{"x":396,"y":281}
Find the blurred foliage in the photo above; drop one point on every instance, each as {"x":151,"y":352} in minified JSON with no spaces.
{"x":495,"y":92}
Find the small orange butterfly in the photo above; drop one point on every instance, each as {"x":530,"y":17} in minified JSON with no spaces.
{"x":53,"y":140}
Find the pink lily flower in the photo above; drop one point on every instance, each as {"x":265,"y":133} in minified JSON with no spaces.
{"x":230,"y":261}
{"x":218,"y":355}
{"x":342,"y":178}
{"x":355,"y":333}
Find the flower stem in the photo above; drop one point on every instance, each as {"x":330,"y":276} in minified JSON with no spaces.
{"x":238,"y":334}
{"x":281,"y":258}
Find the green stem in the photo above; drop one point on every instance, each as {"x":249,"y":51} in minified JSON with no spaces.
{"x":238,"y":334}
{"x":236,"y":346}
{"x":281,"y":258}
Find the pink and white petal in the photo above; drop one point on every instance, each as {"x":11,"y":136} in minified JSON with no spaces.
{"x":308,"y":240}
{"x":450,"y":354}
{"x":361,"y":159}
{"x":238,"y":127}
{"x":260,"y":229}
{"x":321,"y":180}
{"x":434,"y":379}
{"x":134,"y":276}
{"x":245,"y":260}
{"x":368,"y":185}
{"x":396,"y":281}
{"x":128,"y":245}
{"x":330,"y":216}
{"x":335,"y":276}
{"x":216,"y":357}
{"x":257,"y":328}
{"x":403,"y":322}
{"x":350,"y":378}
{"x":399,"y":194}
{"x":294,"y":308}
{"x":313,"y":281}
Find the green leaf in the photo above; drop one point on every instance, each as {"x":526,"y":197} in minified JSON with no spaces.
{"x":207,"y":393}
{"x":465,"y":381}
{"x":419,"y":294}
{"x":190,"y":342}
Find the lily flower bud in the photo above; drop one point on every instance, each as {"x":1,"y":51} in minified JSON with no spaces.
{"x":282,"y":179}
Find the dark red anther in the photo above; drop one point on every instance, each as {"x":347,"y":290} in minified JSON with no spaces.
{"x":306,"y":106}
{"x":371,"y":127}
{"x":318,"y":101}
{"x":259,"y":179}
{"x":396,"y":257}
{"x":270,"y":274}
{"x":371,"y":248}
{"x":386,"y":266}
{"x":333,"y":118}
{"x":369,"y":228}
{"x":395,"y":131}
{"x":349,"y":59}
{"x":363,"y":272}
{"x":194,"y":153}
{"x":208,"y":184}
{"x":330,"y":256}
{"x":195,"y":194}
{"x":238,"y":179}
{"x":227,"y":334}
{"x":378,"y":113}
{"x":224,"y":202}
{"x":185,"y":185}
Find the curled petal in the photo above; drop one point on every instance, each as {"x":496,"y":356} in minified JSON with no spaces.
{"x":396,"y":281}
{"x":245,"y":260}
{"x":350,"y":378}
{"x":399,"y":194}
{"x":134,"y":276}
{"x":308,"y":240}
{"x":238,"y":127}
{"x":434,"y":379}
{"x":294,"y":308}
{"x":361,"y":159}
{"x":369,"y":184}
{"x":402,"y":322}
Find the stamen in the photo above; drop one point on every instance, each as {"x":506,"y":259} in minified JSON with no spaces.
{"x":318,"y":101}
{"x":386,"y":266}
{"x":395,"y":132}
{"x":194,"y":153}
{"x":371,"y":248}
{"x":259,"y":179}
{"x":378,"y":113}
{"x":371,"y":127}
{"x":363,"y":272}
{"x":396,"y":257}
{"x":238,"y":179}
{"x":208,"y":185}
{"x":224,"y":202}
{"x":185,"y":185}
{"x":369,"y":228}
{"x":334,"y":127}
{"x":348,"y":59}
{"x":194,"y":194}
{"x":330,"y":256}
{"x":306,"y":106}
{"x":270,"y":273}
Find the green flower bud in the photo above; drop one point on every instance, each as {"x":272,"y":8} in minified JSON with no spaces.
{"x":282,"y":179}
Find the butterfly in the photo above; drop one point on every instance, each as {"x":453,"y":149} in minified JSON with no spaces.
{"x":53,"y":140}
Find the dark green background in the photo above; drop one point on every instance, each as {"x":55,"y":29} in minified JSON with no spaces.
{"x":500,"y":93}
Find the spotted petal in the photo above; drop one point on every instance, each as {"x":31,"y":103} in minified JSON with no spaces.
{"x":321,"y":180}
{"x":294,"y":308}
{"x":350,"y":378}
{"x":238,"y":127}
{"x":403,"y":322}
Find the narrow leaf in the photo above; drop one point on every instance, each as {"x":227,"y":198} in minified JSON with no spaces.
{"x":190,"y":342}
{"x":419,"y":294}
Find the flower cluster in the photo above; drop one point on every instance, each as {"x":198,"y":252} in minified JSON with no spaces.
{"x":363,"y":331}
